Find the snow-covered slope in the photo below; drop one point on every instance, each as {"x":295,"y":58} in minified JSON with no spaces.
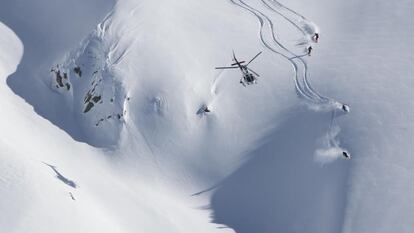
{"x":86,"y":191}
{"x":133,"y":152}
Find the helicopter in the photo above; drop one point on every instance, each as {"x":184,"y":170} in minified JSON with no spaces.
{"x":249,"y":75}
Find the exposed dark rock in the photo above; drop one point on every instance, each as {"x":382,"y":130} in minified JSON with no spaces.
{"x":59,"y":79}
{"x":96,"y":98}
{"x":203,"y":109}
{"x":78,"y":71}
{"x":87,"y":97}
{"x":88,"y":107}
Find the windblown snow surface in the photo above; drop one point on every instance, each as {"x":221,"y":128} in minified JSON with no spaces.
{"x":102,"y":129}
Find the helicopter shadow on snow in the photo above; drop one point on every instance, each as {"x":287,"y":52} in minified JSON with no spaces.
{"x":281,"y":188}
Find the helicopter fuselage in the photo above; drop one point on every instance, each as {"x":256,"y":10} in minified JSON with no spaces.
{"x":249,"y":76}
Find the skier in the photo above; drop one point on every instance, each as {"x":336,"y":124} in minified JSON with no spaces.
{"x":309,"y":50}
{"x":315,"y":37}
{"x":346,"y":155}
{"x":346,"y":108}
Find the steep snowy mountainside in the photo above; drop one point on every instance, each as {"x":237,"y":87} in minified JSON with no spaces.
{"x":48,"y":31}
{"x":365,"y":59}
{"x":11,"y":54}
{"x":158,"y":76}
{"x":129,"y":83}
{"x":140,"y":77}
{"x":83,"y":189}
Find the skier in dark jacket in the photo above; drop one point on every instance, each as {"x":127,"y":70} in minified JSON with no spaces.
{"x":346,"y":155}
{"x":309,"y":50}
{"x":316,"y":37}
{"x":346,"y":108}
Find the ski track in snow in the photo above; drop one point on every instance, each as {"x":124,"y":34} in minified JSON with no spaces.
{"x":299,"y":89}
{"x":306,"y":91}
{"x":300,"y":57}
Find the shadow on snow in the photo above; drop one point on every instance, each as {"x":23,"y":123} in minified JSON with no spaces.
{"x":281,"y":188}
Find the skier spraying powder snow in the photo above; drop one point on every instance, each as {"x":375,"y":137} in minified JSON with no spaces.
{"x":346,"y":155}
{"x":346,"y":108}
{"x":315,"y":37}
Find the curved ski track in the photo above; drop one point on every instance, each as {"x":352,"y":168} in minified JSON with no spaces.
{"x":306,"y":91}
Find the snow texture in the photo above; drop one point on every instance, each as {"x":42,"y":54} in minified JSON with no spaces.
{"x":104,"y":127}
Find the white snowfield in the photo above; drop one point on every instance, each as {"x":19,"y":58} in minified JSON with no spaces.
{"x":103,"y":129}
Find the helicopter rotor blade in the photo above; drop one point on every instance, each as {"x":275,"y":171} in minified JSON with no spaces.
{"x":222,"y":68}
{"x":254,"y":58}
{"x":234,"y":58}
{"x":253,"y":72}
{"x":238,"y":63}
